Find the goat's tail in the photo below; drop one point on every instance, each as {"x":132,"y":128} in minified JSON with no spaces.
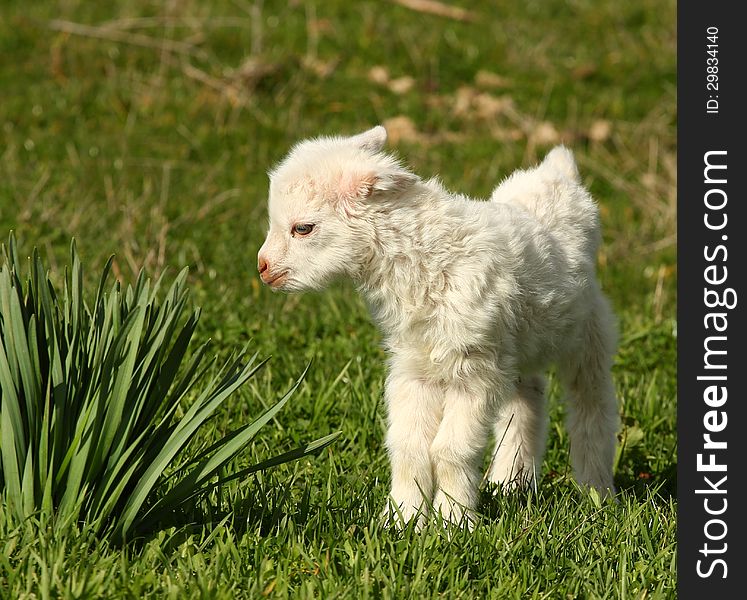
{"x":560,"y":159}
{"x":553,"y":192}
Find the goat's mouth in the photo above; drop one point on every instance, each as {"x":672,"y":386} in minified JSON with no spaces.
{"x":275,"y":280}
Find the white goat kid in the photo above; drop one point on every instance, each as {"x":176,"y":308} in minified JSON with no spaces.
{"x":474,"y":299}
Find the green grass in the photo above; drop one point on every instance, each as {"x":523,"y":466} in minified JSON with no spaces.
{"x":159,"y":156}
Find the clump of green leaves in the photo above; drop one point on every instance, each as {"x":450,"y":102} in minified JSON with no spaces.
{"x":93,"y":413}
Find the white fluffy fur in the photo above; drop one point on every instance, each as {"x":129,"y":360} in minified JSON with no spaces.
{"x":474,"y":299}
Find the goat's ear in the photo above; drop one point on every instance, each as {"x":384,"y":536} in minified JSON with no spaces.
{"x":356,"y":186}
{"x":354,"y":189}
{"x":372,"y":140}
{"x":394,"y":179}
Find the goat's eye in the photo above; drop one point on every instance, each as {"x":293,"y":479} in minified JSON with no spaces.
{"x":302,"y":228}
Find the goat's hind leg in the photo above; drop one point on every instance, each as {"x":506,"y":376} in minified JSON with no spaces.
{"x":593,"y":418}
{"x":520,"y":436}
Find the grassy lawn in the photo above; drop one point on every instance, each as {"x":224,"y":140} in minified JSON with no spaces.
{"x":145,"y":129}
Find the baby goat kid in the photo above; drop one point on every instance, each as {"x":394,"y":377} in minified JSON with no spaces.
{"x":474,"y":300}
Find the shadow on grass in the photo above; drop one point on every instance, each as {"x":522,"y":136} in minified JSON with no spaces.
{"x":261,"y":505}
{"x":266,"y":506}
{"x":640,"y":482}
{"x":558,"y":488}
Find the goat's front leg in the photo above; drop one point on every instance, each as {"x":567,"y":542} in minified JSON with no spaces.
{"x":414,"y":412}
{"x":457,"y":451}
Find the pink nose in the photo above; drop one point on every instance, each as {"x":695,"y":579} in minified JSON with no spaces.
{"x":262,"y":266}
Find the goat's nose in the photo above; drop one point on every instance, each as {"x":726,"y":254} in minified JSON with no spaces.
{"x":262,"y":265}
